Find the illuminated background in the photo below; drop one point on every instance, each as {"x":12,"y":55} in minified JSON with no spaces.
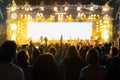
{"x":54,"y":30}
{"x":91,"y":22}
{"x":104,"y":15}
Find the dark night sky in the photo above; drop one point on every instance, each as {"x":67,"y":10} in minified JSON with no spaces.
{"x":37,"y":2}
{"x":50,"y":2}
{"x":70,"y":1}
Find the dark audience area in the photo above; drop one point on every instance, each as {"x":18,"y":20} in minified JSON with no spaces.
{"x":59,"y":61}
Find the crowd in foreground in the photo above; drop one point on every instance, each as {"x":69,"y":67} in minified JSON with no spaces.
{"x":69,"y":62}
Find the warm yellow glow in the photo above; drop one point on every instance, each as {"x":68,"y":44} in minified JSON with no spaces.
{"x":31,"y":9}
{"x":66,"y":8}
{"x":13,"y":37}
{"x":50,"y":19}
{"x":13,"y":8}
{"x":14,"y":15}
{"x":78,"y":8}
{"x":105,"y":9}
{"x":60,"y":18}
{"x":42,"y":8}
{"x":107,"y":17}
{"x":105,"y":34}
{"x":27,"y":8}
{"x":55,"y":9}
{"x":91,"y":8}
{"x":13,"y":27}
{"x":70,"y":18}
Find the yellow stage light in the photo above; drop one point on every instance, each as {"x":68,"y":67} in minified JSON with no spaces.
{"x":105,"y":8}
{"x":91,"y":8}
{"x":42,"y":8}
{"x":14,"y":15}
{"x":13,"y":27}
{"x":13,"y":8}
{"x":63,"y":13}
{"x":78,"y":8}
{"x":55,"y":9}
{"x":13,"y":37}
{"x":105,"y":34}
{"x":66,"y":8}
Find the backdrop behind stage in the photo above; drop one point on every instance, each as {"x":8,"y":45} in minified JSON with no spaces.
{"x":53,"y":30}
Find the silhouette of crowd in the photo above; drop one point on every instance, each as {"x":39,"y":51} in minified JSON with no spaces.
{"x":59,"y":61}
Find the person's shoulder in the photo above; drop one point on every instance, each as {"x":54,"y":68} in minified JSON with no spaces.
{"x":85,"y":68}
{"x":16,"y":68}
{"x":102,"y":66}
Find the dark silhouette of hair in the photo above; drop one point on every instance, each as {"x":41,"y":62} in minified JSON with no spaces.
{"x":73,"y":64}
{"x":45,"y":67}
{"x":92,"y":56}
{"x":22,"y":58}
{"x":23,"y":62}
{"x":72,"y":52}
{"x":114,"y":69}
{"x":100,"y":51}
{"x":115,"y":51}
{"x":41,"y":49}
{"x":7,"y":51}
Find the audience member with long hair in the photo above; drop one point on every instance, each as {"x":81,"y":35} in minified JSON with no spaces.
{"x":8,"y":70}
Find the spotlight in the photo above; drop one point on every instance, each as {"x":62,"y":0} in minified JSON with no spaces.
{"x":66,"y":8}
{"x":55,"y":9}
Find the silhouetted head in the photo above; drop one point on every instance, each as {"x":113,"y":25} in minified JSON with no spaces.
{"x":23,"y":58}
{"x":7,"y":51}
{"x":72,"y":52}
{"x":46,"y":60}
{"x":52,"y":50}
{"x":45,"y":67}
{"x":92,"y":56}
{"x":114,"y":51}
{"x":41,"y":49}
